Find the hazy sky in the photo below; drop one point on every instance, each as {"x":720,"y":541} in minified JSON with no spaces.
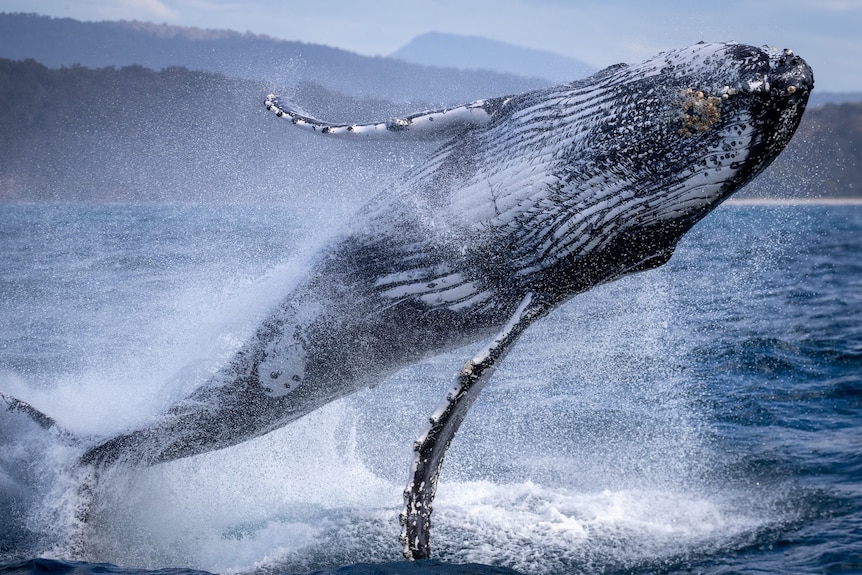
{"x":827,"y":33}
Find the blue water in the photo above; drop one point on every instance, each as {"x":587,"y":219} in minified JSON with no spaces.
{"x":699,"y":418}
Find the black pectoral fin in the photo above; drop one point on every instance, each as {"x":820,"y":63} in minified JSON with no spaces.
{"x":431,"y":446}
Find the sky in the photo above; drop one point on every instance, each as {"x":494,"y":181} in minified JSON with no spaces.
{"x":827,"y":33}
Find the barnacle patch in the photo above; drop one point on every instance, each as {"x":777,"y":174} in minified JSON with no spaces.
{"x":698,"y":111}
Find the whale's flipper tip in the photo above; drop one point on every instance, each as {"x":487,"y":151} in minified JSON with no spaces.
{"x":26,"y":432}
{"x":12,"y":405}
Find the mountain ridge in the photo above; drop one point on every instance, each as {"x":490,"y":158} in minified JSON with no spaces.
{"x":476,"y":53}
{"x":57,"y":42}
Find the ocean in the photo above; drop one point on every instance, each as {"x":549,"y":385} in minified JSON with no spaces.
{"x":703,"y":417}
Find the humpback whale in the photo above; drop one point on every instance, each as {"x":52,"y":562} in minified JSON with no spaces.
{"x":529,"y":200}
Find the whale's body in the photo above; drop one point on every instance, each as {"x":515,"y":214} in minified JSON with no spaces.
{"x":530,"y":200}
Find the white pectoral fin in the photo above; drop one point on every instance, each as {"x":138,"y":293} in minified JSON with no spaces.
{"x":429,"y":125}
{"x":431,"y":447}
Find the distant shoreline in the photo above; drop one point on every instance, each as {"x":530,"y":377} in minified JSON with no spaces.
{"x":794,"y":202}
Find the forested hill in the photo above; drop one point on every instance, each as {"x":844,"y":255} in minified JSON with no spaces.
{"x":136,"y":135}
{"x":823,"y":160}
{"x":58,"y":42}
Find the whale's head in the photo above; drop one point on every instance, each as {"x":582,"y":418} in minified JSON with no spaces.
{"x":692,"y":126}
{"x":655,"y":146}
{"x":647,"y":150}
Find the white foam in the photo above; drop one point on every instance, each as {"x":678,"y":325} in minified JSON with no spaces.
{"x":227,"y":510}
{"x":537,"y":529}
